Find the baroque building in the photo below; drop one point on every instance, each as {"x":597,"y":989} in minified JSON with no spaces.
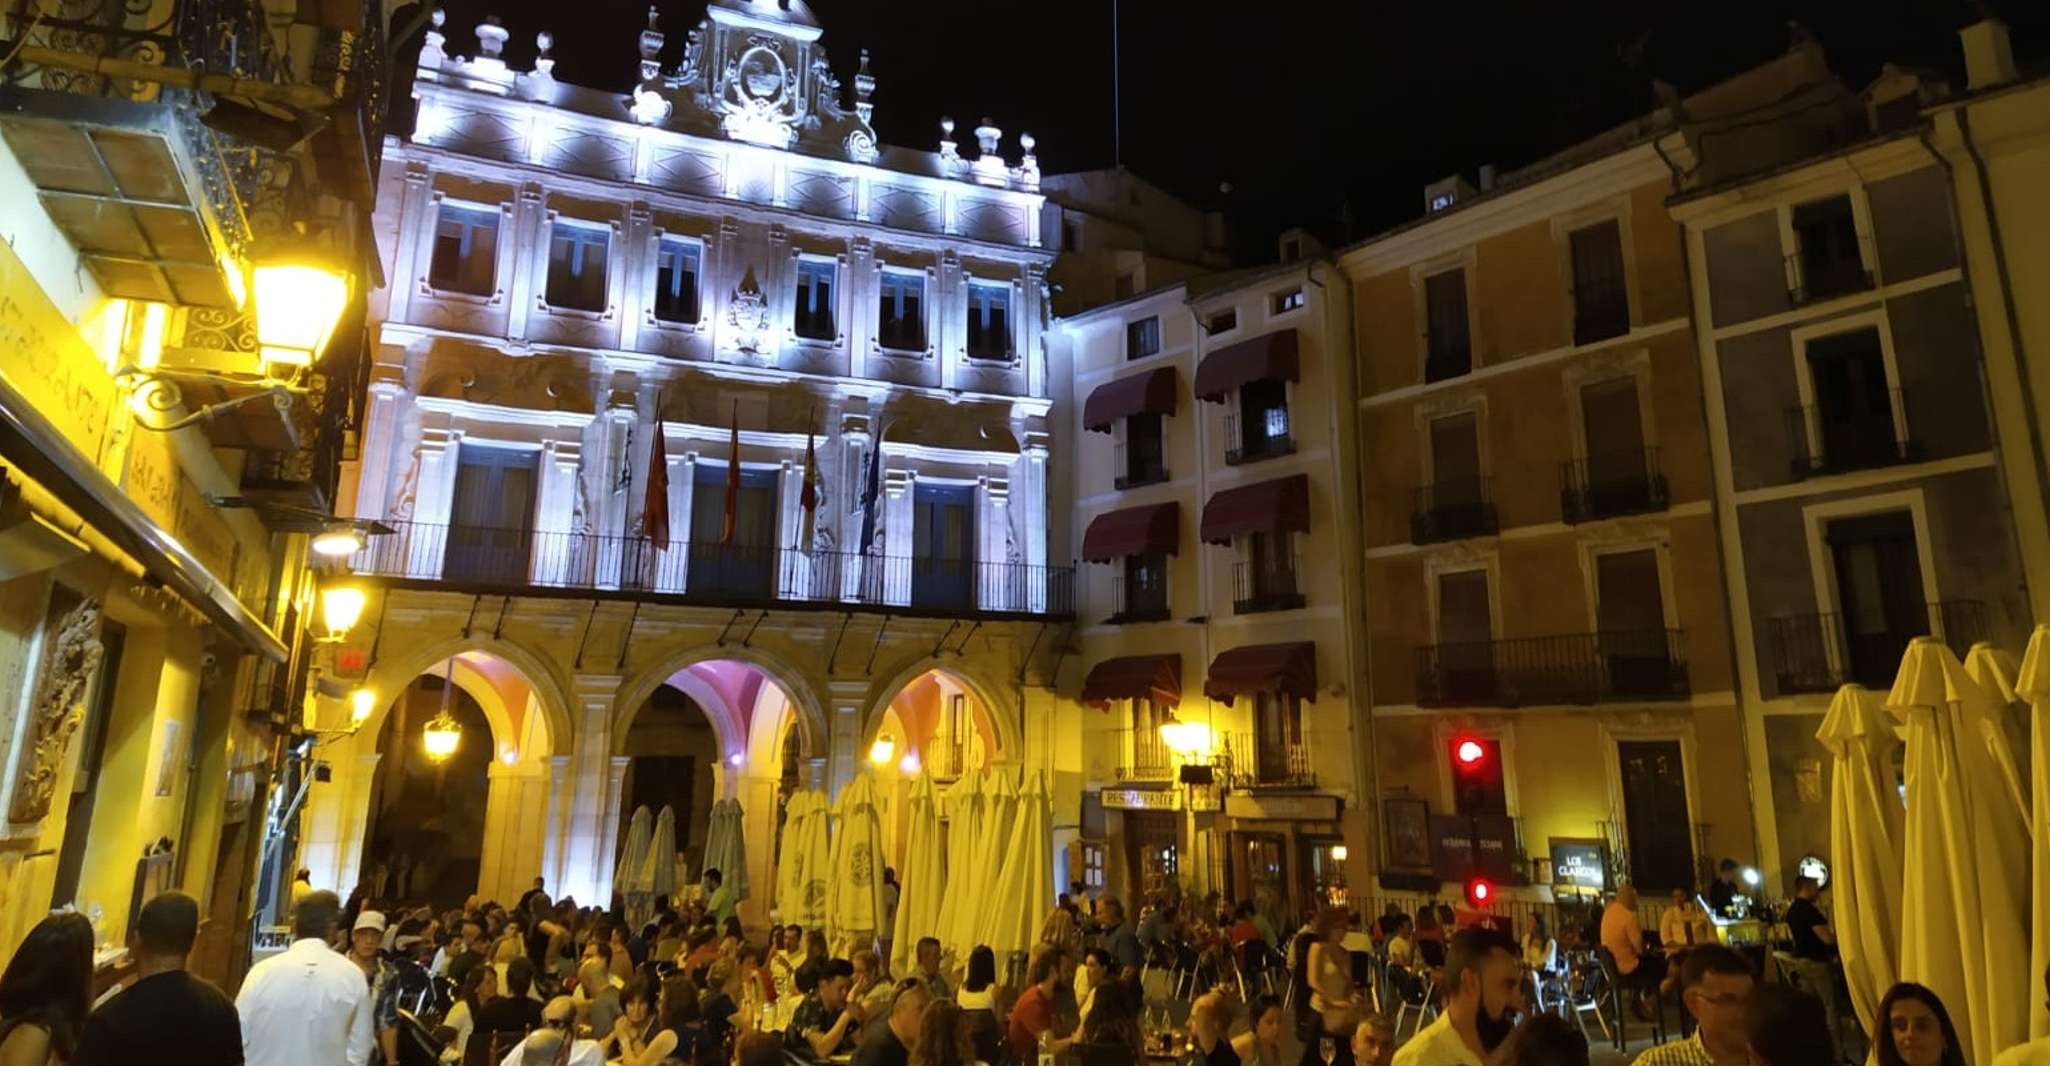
{"x":712,"y":437}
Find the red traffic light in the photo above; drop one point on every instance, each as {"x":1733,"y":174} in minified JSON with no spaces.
{"x":1468,"y":752}
{"x":1479,"y":893}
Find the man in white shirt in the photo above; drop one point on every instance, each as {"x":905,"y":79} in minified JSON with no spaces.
{"x":1483,"y":991}
{"x":2033,"y":1053}
{"x":308,"y":1005}
{"x":543,"y":1046}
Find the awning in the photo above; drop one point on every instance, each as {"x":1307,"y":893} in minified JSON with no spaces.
{"x":1285,"y":668}
{"x":1278,"y":506}
{"x":1131,"y":677}
{"x":1148,"y":393}
{"x":1151,"y":530}
{"x":1268,"y":357}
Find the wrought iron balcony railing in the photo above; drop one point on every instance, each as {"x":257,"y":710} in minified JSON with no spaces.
{"x":1248,"y":760}
{"x":1266,"y":585}
{"x":1270,"y":441}
{"x":1822,"y":440}
{"x":945,"y":756}
{"x":1604,"y":486}
{"x":1576,"y":668}
{"x":1822,"y":651}
{"x":512,"y":561}
{"x":1143,"y":756}
{"x":1454,"y":509}
{"x":1143,"y":600}
{"x":1137,"y":468}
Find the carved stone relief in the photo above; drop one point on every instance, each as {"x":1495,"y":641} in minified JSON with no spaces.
{"x":71,"y":656}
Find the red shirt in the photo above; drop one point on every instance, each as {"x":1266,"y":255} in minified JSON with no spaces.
{"x":1031,"y":1016}
{"x":1243,"y":931}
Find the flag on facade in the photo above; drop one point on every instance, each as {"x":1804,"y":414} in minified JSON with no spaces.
{"x":871,"y":490}
{"x":808,"y":498}
{"x":655,"y":509}
{"x":732,"y":481}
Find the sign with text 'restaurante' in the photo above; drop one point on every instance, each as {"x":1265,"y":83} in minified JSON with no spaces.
{"x":45,"y":360}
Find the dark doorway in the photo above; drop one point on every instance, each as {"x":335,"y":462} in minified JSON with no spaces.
{"x":671,"y":749}
{"x":491,"y":517}
{"x":92,"y":748}
{"x":1466,"y":648}
{"x":1879,"y":587}
{"x":1853,"y":402}
{"x":1660,"y":834}
{"x":426,"y":828}
{"x":943,"y":547}
{"x":1152,"y":849}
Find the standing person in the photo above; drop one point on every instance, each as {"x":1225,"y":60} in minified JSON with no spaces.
{"x":890,"y":1043}
{"x":1483,"y":990}
{"x":2035,"y":1052}
{"x":1329,"y":967}
{"x":719,"y":901}
{"x":46,"y":991}
{"x":302,"y":883}
{"x":1118,"y":936}
{"x":1032,"y":1015}
{"x":526,"y":904}
{"x":307,"y":1005}
{"x":1722,"y":895}
{"x":130,"y":1027}
{"x":1814,"y":940}
{"x":1715,"y":984}
{"x":891,"y":892}
{"x":1915,"y":1030}
{"x":1636,"y":969}
{"x":366,"y":940}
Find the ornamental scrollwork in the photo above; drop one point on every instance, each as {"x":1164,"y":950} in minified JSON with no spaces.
{"x":71,"y":658}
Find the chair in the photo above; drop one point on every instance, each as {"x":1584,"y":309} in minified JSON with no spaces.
{"x":1614,"y":979}
{"x":417,"y":1043}
{"x":1412,"y":993}
{"x":1585,"y":988}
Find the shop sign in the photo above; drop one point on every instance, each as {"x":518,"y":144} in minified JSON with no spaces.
{"x":1141,"y":799}
{"x":45,"y":360}
{"x":1579,"y":864}
{"x":158,"y":485}
{"x":1453,"y":837}
{"x":1253,"y":806}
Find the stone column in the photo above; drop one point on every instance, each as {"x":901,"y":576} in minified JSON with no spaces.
{"x":843,"y":726}
{"x":559,"y":554}
{"x":379,"y":447}
{"x":558,"y":798}
{"x":523,"y":256}
{"x":1028,"y":506}
{"x":593,"y":808}
{"x":439,"y":447}
{"x":637,"y":262}
{"x":417,"y":210}
{"x":337,"y":818}
{"x":757,"y":795}
{"x":514,"y":805}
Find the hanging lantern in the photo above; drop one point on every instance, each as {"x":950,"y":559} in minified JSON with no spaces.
{"x":442,"y":736}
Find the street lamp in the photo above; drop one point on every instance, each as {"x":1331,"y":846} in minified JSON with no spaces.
{"x":338,"y":543}
{"x":1181,"y":737}
{"x":341,"y":606}
{"x":442,"y":734}
{"x":361,"y":703}
{"x":298,"y":303}
{"x":882,"y":751}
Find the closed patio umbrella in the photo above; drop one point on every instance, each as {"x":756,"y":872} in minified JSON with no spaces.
{"x":854,"y":895}
{"x":924,"y":884}
{"x":1024,"y":887}
{"x":661,"y":874}
{"x":1865,"y":817}
{"x":629,"y":873}
{"x":964,"y":807}
{"x":2032,"y":683}
{"x":999,"y":811}
{"x":1964,"y":853}
{"x":726,"y":847}
{"x":801,"y":875}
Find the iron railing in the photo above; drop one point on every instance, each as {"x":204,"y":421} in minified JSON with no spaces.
{"x":1825,"y":441}
{"x":1144,"y":600}
{"x":1273,"y":442}
{"x":1136,"y":469}
{"x":1247,"y":761}
{"x":1143,"y":756}
{"x":1813,"y":278}
{"x":507,"y":561}
{"x":1266,"y":585}
{"x":1616,"y":483}
{"x":219,"y":36}
{"x":945,"y":756}
{"x":1818,"y":652}
{"x":1454,"y":509}
{"x":1575,"y":668}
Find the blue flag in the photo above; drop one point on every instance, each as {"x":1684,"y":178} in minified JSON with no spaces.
{"x":871,"y":490}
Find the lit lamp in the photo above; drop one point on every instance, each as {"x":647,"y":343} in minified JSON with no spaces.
{"x":361,"y":703}
{"x":1339,"y":852}
{"x":442,"y":736}
{"x":882,"y":751}
{"x":910,"y":764}
{"x":1180,"y":736}
{"x":340,"y":608}
{"x":337,"y":543}
{"x":297,"y":306}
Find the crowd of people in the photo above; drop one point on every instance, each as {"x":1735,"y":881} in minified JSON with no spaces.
{"x":549,"y":983}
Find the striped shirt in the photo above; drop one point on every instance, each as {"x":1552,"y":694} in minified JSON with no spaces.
{"x":1688,"y":1052}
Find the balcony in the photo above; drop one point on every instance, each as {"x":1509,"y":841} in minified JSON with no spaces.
{"x":1266,"y":585}
{"x":1136,"y":469}
{"x":1813,"y":278}
{"x":1826,"y":441}
{"x":536,"y":562}
{"x":1143,"y":756}
{"x":945,"y":756}
{"x":1606,"y":486}
{"x":1818,"y":653}
{"x":1575,"y":668}
{"x":1245,"y":761}
{"x":1142,"y":600}
{"x":1274,"y":443}
{"x":1453,"y":510}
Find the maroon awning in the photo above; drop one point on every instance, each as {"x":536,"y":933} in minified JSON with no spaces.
{"x":1278,"y":506}
{"x":1285,"y":668}
{"x":1151,"y":677}
{"x":1268,"y":357}
{"x":1149,"y":393}
{"x":1150,"y":530}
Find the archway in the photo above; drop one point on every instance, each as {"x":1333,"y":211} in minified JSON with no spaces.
{"x":936,"y":719}
{"x":426,"y":822}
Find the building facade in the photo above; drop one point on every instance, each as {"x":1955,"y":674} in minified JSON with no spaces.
{"x":701,"y":404}
{"x":1221,"y":746}
{"x":179,"y":364}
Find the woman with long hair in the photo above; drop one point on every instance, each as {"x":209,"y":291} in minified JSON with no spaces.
{"x":1915,"y":1030}
{"x":46,"y":992}
{"x":1060,"y":930}
{"x":1330,"y":969}
{"x":943,"y":1037}
{"x":479,"y":986}
{"x":1260,"y":1044}
{"x":978,"y":1001}
{"x":682,"y":1033}
{"x":1113,"y":1026}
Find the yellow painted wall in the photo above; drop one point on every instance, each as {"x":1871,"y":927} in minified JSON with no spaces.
{"x":1385,"y":332}
{"x":1518,"y":293}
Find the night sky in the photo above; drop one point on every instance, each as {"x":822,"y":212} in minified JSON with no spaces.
{"x":1302,"y":107}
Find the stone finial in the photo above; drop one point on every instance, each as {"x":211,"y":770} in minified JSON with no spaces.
{"x":433,"y":52}
{"x":651,"y":46}
{"x":491,"y":37}
{"x":950,"y":152}
{"x":544,"y":63}
{"x":988,"y":135}
{"x":864,"y":80}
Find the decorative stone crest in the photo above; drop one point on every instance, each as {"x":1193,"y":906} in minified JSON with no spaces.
{"x":760,"y":96}
{"x":748,"y":312}
{"x":71,"y":656}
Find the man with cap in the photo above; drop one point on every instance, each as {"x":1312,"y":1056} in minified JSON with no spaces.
{"x":366,"y":942}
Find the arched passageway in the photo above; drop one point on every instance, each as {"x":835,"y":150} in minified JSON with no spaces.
{"x":937,"y":722}
{"x":427,"y":814}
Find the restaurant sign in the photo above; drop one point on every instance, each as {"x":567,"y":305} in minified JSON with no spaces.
{"x":47,"y":363}
{"x":158,"y":485}
{"x":1579,"y":864}
{"x":1142,"y":799}
{"x":1454,"y":836}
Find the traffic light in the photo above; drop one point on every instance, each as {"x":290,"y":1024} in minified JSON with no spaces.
{"x":1477,"y":776}
{"x":1479,"y":893}
{"x":1469,"y":753}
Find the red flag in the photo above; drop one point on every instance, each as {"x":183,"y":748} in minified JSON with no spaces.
{"x":655,"y":509}
{"x":809,"y":497}
{"x":732,"y":481}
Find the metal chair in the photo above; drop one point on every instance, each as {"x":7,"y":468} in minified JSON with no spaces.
{"x":1412,"y":993}
{"x":1621,"y":1037}
{"x":1586,"y":988}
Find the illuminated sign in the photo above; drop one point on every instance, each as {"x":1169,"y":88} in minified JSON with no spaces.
{"x":1141,"y":799}
{"x":1581,"y":864}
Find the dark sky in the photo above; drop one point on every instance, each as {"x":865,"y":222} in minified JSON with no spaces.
{"x":1303,"y":106}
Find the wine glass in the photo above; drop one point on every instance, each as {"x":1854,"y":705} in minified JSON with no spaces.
{"x":1327,"y":1049}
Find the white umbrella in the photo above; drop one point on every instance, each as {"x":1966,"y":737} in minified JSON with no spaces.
{"x":801,"y":876}
{"x":1024,"y":889}
{"x":924,"y":884}
{"x":726,"y":847}
{"x":658,"y":877}
{"x":1964,"y":856}
{"x":1996,"y":669}
{"x":1865,"y":818}
{"x":964,"y":827}
{"x":2033,"y":685}
{"x":633,"y":856}
{"x":854,"y":897}
{"x":999,"y":812}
